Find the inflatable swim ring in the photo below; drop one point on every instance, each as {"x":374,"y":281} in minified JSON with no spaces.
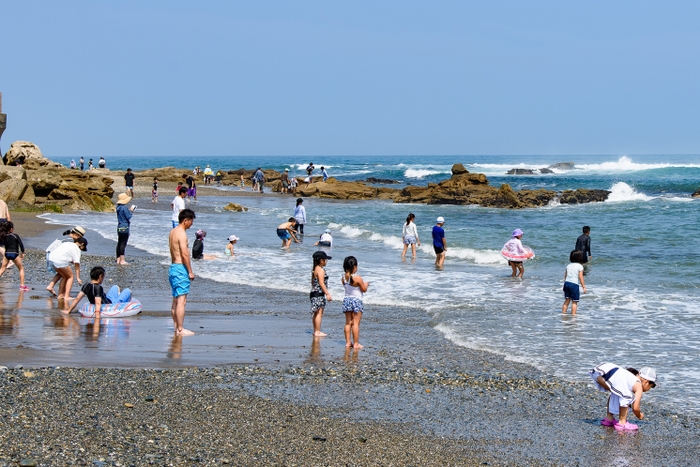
{"x":512,"y":256}
{"x":113,"y":310}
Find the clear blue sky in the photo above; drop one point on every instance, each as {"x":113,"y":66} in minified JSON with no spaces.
{"x":363,"y":77}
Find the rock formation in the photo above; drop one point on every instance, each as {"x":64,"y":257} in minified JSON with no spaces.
{"x":696,"y":194}
{"x":31,"y":179}
{"x":583,"y":195}
{"x":335,"y":189}
{"x":235,"y":207}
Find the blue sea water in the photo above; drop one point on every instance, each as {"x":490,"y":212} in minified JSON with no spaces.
{"x":642,"y":306}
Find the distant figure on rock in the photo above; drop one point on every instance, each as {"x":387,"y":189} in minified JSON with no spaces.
{"x":102,"y":163}
{"x":324,"y":173}
{"x":82,"y":163}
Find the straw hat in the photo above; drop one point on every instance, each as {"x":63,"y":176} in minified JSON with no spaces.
{"x":123,"y":198}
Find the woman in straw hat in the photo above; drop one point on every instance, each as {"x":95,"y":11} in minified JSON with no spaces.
{"x":123,"y":223}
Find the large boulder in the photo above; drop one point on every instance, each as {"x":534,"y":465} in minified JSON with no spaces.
{"x":235,"y":207}
{"x":44,"y":180}
{"x":27,"y":155}
{"x":8,"y":172}
{"x":17,"y":190}
{"x":696,"y":194}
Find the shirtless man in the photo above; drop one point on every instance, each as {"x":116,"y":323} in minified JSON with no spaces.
{"x":180,"y":273}
{"x":285,"y":232}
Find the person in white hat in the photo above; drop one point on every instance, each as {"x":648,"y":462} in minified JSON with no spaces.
{"x":326,"y":239}
{"x":232,"y":240}
{"x":123,"y":224}
{"x":439,"y":243}
{"x":626,"y":387}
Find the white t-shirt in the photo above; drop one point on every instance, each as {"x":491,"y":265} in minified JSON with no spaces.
{"x":178,"y":205}
{"x":572,"y":270}
{"x":410,"y":230}
{"x":326,"y":237}
{"x":65,"y":253}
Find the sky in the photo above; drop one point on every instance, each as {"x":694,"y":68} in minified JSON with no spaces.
{"x":181,"y":78}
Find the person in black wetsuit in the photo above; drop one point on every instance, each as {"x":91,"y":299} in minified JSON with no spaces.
{"x":583,"y":244}
{"x":14,"y":251}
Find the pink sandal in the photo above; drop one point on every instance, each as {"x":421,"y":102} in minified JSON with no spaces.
{"x":627,"y":427}
{"x":606,"y":422}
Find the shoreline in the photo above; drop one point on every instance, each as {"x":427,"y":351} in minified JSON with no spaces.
{"x":461,"y":405}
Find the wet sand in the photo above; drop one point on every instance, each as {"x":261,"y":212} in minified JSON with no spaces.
{"x":264,"y":389}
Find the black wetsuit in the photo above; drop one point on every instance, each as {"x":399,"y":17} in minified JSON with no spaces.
{"x":198,"y":249}
{"x":583,"y":244}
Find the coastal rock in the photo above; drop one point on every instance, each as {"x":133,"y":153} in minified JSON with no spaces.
{"x":546,"y":171}
{"x":17,"y":190}
{"x":382,"y":181}
{"x":8,"y":172}
{"x":335,"y":189}
{"x":696,"y":194}
{"x":40,"y":180}
{"x":521,"y":172}
{"x":235,"y":207}
{"x":583,"y":195}
{"x":458,"y":169}
{"x":27,"y":155}
{"x":473,"y":188}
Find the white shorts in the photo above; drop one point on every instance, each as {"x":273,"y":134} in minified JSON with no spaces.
{"x":409,"y":240}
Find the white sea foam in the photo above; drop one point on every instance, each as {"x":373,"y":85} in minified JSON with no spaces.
{"x":625,"y":164}
{"x":421,"y":173}
{"x":623,"y":192}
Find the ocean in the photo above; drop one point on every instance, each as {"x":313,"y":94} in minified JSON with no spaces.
{"x":641,"y":308}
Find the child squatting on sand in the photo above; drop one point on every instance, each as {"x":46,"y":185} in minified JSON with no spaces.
{"x":572,"y":278}
{"x":353,"y":307}
{"x":626,"y":389}
{"x":319,"y":294}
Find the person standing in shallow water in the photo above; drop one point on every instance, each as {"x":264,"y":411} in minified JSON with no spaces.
{"x":410,"y":235}
{"x":583,"y":244}
{"x":439,"y":243}
{"x":180,"y":273}
{"x":124,"y":214}
{"x":300,"y":215}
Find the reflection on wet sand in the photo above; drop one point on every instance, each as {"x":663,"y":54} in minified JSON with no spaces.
{"x":175,"y":349}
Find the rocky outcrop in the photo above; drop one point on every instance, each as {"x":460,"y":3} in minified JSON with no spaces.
{"x":696,"y":194}
{"x":583,"y":195}
{"x":470,"y":188}
{"x":28,"y":156}
{"x":335,"y":189}
{"x":235,"y":207}
{"x":521,"y":172}
{"x":381,"y":181}
{"x":31,"y":178}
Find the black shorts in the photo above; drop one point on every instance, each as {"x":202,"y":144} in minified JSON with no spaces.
{"x":438,"y":249}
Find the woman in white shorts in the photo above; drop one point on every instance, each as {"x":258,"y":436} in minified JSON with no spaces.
{"x":410,"y":235}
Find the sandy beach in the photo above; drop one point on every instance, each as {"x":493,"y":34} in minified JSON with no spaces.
{"x":254,"y":388}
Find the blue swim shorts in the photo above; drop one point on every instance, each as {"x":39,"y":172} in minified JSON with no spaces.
{"x":283,"y":234}
{"x":571,"y":291}
{"x":179,"y":279}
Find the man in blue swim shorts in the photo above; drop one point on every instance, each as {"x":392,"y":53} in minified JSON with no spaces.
{"x":286,"y":232}
{"x":180,"y":273}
